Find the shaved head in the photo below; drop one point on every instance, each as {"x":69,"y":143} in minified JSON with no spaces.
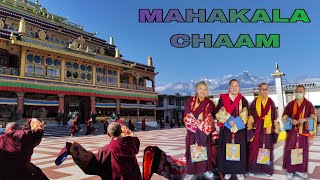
{"x":114,"y":129}
{"x":12,"y":126}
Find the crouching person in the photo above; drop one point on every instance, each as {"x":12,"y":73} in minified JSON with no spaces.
{"x":117,"y":160}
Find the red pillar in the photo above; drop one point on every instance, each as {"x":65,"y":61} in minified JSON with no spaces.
{"x":153,"y":86}
{"x":118,"y":106}
{"x":93,"y":105}
{"x":155,"y":111}
{"x":20,"y":107}
{"x":138,"y":111}
{"x":61,"y":110}
{"x":61,"y":104}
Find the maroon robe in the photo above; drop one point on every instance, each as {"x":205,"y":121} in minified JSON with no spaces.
{"x":161,"y":124}
{"x":131,"y":126}
{"x":143,"y":125}
{"x":202,"y":138}
{"x":117,"y":160}
{"x":90,"y":127}
{"x":225,"y":136}
{"x":105,"y":126}
{"x":74,"y":127}
{"x":16,"y":149}
{"x":259,"y":134}
{"x":292,"y":138}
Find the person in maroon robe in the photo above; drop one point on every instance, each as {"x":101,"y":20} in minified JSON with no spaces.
{"x":300,"y":122}
{"x":232,"y":104}
{"x":16,"y":149}
{"x":75,"y":126}
{"x":198,"y":120}
{"x":90,"y":127}
{"x":105,"y":126}
{"x":143,"y":124}
{"x":131,"y":126}
{"x":161,"y":123}
{"x":263,"y":130}
{"x":115,"y":161}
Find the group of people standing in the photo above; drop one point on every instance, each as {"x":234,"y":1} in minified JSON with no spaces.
{"x":233,"y":138}
{"x":171,"y":123}
{"x":75,"y":127}
{"x":118,"y":119}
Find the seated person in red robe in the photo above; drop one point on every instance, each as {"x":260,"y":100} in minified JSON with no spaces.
{"x":16,"y":149}
{"x":117,"y":160}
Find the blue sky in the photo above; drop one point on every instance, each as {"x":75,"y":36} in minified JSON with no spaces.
{"x":298,"y":55}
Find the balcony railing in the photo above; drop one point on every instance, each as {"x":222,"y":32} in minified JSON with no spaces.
{"x":15,"y":72}
{"x":136,"y":87}
{"x":9,"y":71}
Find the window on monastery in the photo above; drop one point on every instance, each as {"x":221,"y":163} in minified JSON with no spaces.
{"x":31,"y":34}
{"x":100,"y":73}
{"x":160,"y":102}
{"x":53,"y":67}
{"x":183,"y":101}
{"x":4,"y":61}
{"x":34,"y":65}
{"x":9,"y":63}
{"x":11,"y":28}
{"x":89,"y":77}
{"x":134,"y":80}
{"x":112,"y":77}
{"x":141,"y":81}
{"x":106,"y":76}
{"x":124,"y":79}
{"x":60,"y":40}
{"x":171,"y":101}
{"x":178,"y":101}
{"x":4,"y":58}
{"x":79,"y":72}
{"x":39,"y":66}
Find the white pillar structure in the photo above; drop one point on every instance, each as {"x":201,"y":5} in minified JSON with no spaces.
{"x":278,"y":82}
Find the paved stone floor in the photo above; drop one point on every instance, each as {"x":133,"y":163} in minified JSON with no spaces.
{"x":169,"y":140}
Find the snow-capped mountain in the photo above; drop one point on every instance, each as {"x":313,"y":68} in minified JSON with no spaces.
{"x":246,"y":79}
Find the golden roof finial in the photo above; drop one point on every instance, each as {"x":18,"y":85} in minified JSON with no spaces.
{"x":277,"y":72}
{"x":117,"y":56}
{"x":150,"y":63}
{"x":111,"y":40}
